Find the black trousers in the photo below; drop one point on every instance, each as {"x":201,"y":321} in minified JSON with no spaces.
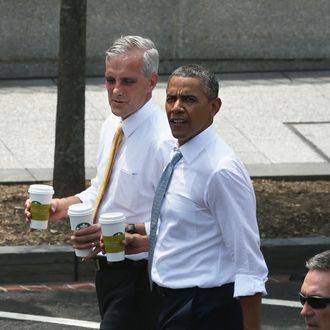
{"x":200,"y":309}
{"x":124,"y":296}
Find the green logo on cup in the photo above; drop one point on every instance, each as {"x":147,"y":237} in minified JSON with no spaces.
{"x":40,"y":211}
{"x":82,"y":225}
{"x":113,"y":244}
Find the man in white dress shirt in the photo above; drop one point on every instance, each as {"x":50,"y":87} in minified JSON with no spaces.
{"x":123,"y":293}
{"x":207,"y":263}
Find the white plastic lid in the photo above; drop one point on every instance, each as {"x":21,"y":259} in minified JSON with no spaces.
{"x":113,"y":217}
{"x":80,"y":209}
{"x":41,"y":189}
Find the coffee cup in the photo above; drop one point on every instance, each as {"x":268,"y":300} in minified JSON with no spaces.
{"x":113,"y":232}
{"x":81,"y":216}
{"x":40,"y":197}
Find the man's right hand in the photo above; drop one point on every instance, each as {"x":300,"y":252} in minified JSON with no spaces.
{"x":88,"y":238}
{"x":58,"y":208}
{"x":136,"y":243}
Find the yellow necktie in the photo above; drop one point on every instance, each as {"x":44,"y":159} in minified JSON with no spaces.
{"x":116,"y":143}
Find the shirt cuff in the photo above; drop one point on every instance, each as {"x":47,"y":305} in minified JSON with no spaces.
{"x":83,"y":198}
{"x":147,"y":227}
{"x":247,"y":285}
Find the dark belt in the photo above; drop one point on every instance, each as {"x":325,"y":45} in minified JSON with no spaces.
{"x":168,"y":291}
{"x":101,"y":263}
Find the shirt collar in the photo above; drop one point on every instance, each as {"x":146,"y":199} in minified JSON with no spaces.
{"x":131,"y":123}
{"x":191,"y":149}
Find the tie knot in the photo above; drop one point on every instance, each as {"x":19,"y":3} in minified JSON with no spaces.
{"x":119,"y":129}
{"x":176,"y":157}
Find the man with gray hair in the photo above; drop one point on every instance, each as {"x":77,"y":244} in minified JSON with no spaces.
{"x":131,"y":67}
{"x":315,"y":292}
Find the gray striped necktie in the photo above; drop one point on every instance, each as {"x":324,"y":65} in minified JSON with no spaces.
{"x":157,"y":204}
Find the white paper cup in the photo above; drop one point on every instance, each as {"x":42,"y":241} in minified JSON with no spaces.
{"x":81,"y":216}
{"x":40,"y":196}
{"x":113,"y":232}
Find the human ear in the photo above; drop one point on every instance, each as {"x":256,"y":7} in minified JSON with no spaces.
{"x":216,"y":105}
{"x":153,"y":80}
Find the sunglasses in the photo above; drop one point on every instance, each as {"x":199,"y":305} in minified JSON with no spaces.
{"x":314,"y":301}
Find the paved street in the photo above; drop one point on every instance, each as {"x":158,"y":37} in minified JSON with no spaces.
{"x":77,"y":309}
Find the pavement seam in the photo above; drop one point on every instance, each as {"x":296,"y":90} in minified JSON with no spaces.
{"x":291,"y":126}
{"x":46,"y":287}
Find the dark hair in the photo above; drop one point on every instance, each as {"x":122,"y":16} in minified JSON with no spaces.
{"x":208,"y":80}
{"x":320,"y":262}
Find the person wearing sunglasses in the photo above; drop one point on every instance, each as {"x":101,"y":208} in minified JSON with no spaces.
{"x":315,"y":292}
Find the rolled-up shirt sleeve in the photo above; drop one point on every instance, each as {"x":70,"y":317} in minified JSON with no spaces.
{"x":232,"y":201}
{"x":89,"y":195}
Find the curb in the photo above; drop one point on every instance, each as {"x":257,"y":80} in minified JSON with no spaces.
{"x":51,"y":264}
{"x":291,"y":171}
{"x":43,"y":264}
{"x":288,"y":256}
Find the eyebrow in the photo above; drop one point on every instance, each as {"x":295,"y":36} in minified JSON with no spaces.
{"x":180,"y":95}
{"x":109,"y":76}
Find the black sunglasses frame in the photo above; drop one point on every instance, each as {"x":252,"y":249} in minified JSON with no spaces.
{"x":315,"y":302}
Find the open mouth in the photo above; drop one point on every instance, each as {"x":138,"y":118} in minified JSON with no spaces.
{"x":177,"y":121}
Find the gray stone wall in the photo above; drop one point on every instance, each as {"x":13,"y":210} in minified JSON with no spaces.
{"x":226,"y":35}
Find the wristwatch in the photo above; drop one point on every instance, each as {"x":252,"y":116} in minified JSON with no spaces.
{"x":131,"y":229}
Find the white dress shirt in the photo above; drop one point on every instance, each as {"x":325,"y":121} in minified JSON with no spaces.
{"x":208,"y":234}
{"x":136,"y":170}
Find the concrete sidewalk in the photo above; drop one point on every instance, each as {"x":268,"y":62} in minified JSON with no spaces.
{"x":279,"y":123}
{"x":42,"y":264}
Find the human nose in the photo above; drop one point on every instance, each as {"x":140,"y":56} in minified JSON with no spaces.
{"x":117,"y":88}
{"x":177,"y":106}
{"x":114,"y":87}
{"x":306,"y":310}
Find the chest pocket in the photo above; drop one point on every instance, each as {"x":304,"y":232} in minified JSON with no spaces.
{"x":127,"y":189}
